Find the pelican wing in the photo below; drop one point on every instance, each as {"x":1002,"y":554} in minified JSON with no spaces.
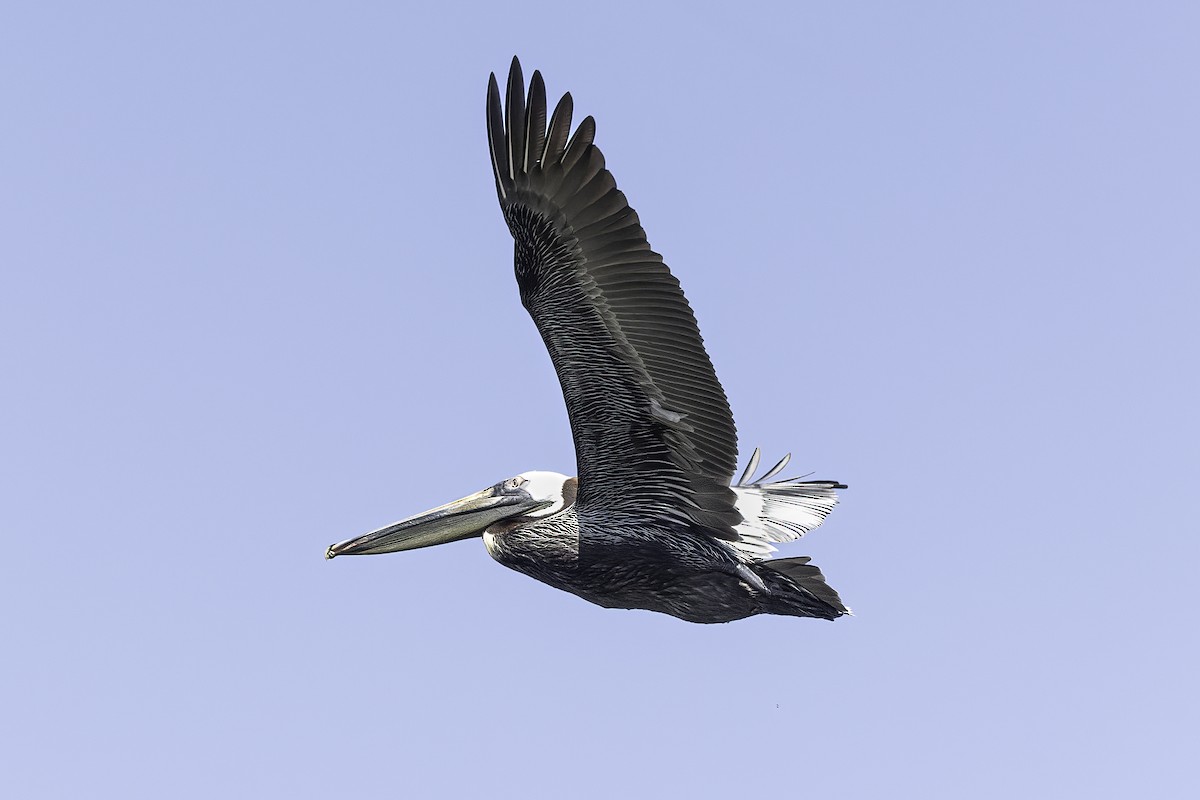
{"x":652,"y":427}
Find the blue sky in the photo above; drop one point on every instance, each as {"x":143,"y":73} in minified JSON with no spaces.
{"x":257,"y":297}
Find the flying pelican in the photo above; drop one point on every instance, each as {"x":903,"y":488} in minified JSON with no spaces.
{"x":652,"y":521}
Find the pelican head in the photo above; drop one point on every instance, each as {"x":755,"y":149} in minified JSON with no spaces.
{"x":528,"y":496}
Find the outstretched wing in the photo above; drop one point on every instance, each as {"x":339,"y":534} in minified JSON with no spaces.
{"x":652,"y":427}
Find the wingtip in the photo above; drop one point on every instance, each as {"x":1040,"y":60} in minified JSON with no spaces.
{"x":497,"y":137}
{"x":535,"y":121}
{"x":581,"y":140}
{"x":515,"y":75}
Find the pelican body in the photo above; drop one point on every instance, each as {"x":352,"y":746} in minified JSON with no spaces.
{"x":653,"y":521}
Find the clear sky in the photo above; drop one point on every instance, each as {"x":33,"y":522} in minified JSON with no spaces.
{"x":256,"y":297}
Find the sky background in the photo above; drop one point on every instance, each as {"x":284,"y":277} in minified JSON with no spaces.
{"x":256,"y":296}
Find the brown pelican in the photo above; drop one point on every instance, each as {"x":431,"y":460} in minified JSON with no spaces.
{"x":652,"y":521}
